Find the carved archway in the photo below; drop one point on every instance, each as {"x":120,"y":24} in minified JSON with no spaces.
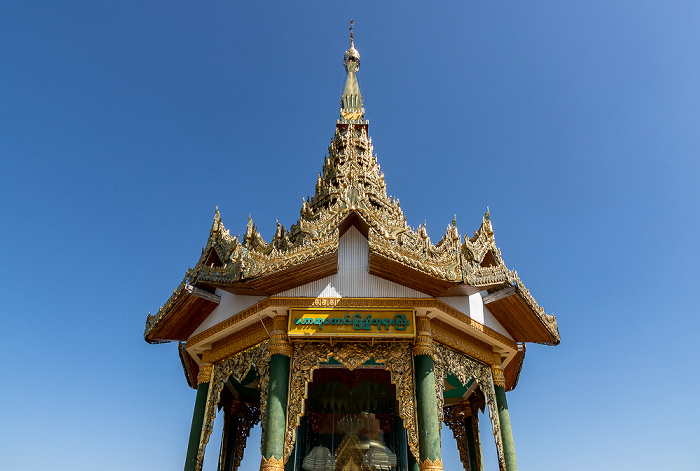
{"x":396,"y":357}
{"x":448,"y":361}
{"x":236,"y":366}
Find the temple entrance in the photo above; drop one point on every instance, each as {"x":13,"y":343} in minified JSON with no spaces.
{"x":351,"y":422}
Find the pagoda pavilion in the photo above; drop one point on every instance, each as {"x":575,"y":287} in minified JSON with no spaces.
{"x":351,"y":337}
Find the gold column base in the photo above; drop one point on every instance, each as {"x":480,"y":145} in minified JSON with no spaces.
{"x":428,"y":465}
{"x":273,"y":464}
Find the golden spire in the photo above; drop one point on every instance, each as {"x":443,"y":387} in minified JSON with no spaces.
{"x":352,"y":56}
{"x":351,"y":109}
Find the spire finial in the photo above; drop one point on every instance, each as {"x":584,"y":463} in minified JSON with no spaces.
{"x":351,"y":109}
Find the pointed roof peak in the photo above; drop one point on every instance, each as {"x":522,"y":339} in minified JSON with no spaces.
{"x":216,"y":225}
{"x":351,"y":109}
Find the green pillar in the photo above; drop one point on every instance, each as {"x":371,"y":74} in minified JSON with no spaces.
{"x":277,"y":391}
{"x":197,"y":420}
{"x":426,"y":402}
{"x":426,"y":407}
{"x":506,"y":431}
{"x":229,"y":443}
{"x":276,"y":415}
{"x":471,"y":442}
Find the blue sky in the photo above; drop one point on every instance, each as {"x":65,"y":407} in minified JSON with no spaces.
{"x":124,"y":124}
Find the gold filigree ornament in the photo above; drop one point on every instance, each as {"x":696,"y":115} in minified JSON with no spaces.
{"x":429,"y":465}
{"x":423,"y":345}
{"x":271,"y":464}
{"x":499,"y":378}
{"x":204,"y":375}
{"x":279,"y":344}
{"x":455,"y":420}
{"x":465,"y":368}
{"x":236,"y":366}
{"x":395,"y":356}
{"x":245,"y":416}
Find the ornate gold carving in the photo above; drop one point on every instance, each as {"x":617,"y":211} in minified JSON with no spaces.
{"x":440,"y":377}
{"x":279,"y":341}
{"x":455,"y":338}
{"x":455,"y":420}
{"x":396,"y":357}
{"x":153,"y":319}
{"x":237,"y":367}
{"x":429,"y":465}
{"x":423,"y":345}
{"x":389,"y":303}
{"x":204,"y":375}
{"x":476,"y":325}
{"x":271,"y":464}
{"x":465,"y":368}
{"x":279,"y":344}
{"x":351,"y":182}
{"x":499,"y":378}
{"x":248,"y":416}
{"x":239,"y":419}
{"x":237,"y":342}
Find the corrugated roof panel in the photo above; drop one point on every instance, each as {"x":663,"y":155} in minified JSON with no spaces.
{"x":353,"y":279}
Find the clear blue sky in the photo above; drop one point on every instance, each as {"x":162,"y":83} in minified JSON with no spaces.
{"x":123,"y":125}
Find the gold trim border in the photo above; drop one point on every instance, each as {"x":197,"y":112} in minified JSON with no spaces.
{"x":388,"y":303}
{"x":364,"y":335}
{"x":245,"y":338}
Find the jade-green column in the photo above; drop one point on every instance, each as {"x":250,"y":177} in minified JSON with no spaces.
{"x":471,"y":442}
{"x":277,"y":391}
{"x":426,"y":401}
{"x":230,"y":437}
{"x":504,"y":419}
{"x":200,"y":405}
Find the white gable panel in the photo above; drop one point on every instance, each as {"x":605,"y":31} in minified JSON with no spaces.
{"x":230,"y":304}
{"x":353,"y":279}
{"x":473,"y":306}
{"x":490,"y":321}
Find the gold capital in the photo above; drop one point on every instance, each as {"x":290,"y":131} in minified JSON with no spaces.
{"x":279,"y":344}
{"x":204,"y":375}
{"x":423,"y":345}
{"x":499,"y":378}
{"x":279,"y":341}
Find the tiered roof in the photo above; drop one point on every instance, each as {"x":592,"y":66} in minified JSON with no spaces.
{"x":351,"y":191}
